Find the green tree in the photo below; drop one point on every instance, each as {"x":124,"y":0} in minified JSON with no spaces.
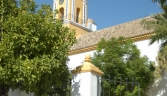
{"x":160,"y":1}
{"x":121,"y":58}
{"x":161,"y":68}
{"x":6,"y":8}
{"x":158,"y":24}
{"x":33,"y":49}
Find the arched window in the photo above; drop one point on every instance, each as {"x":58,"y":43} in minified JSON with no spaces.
{"x":77,"y":15}
{"x":61,"y":13}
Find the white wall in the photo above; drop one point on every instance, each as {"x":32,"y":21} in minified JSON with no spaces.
{"x":78,"y":59}
{"x":149,"y":50}
{"x":14,"y":93}
{"x":17,"y":92}
{"x":159,"y":88}
{"x":26,"y":94}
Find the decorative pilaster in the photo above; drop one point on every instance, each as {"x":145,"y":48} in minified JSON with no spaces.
{"x":54,"y":5}
{"x":73,"y":9}
{"x":66,"y":14}
{"x":54,"y":8}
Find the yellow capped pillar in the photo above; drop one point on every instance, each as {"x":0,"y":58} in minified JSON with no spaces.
{"x":86,"y":79}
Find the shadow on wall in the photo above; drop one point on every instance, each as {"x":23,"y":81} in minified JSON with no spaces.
{"x":75,"y":87}
{"x":159,"y":89}
{"x":15,"y":92}
{"x":23,"y":93}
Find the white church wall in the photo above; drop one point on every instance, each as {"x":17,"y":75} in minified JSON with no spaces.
{"x":26,"y":94}
{"x":148,"y":50}
{"x":159,"y":88}
{"x":17,"y":92}
{"x":78,"y":59}
{"x":14,"y":92}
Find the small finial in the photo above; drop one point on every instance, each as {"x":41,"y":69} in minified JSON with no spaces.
{"x":87,"y":58}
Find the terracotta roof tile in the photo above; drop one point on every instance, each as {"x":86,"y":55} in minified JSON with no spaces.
{"x":127,"y":30}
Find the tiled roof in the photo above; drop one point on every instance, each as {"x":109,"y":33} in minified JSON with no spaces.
{"x":128,"y":30}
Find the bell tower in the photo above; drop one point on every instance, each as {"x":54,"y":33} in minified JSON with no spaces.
{"x":74,"y":14}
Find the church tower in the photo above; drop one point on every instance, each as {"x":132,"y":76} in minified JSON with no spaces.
{"x":74,"y":14}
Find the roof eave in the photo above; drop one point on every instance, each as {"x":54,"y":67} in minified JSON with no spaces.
{"x":93,"y":47}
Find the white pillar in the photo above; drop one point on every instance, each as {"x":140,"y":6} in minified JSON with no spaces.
{"x":73,"y":9}
{"x":54,"y":5}
{"x":84,"y":13}
{"x":86,"y":79}
{"x":85,"y":7}
{"x":66,"y":10}
{"x":54,"y":8}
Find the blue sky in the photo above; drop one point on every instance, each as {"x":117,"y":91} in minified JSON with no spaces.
{"x":107,"y":13}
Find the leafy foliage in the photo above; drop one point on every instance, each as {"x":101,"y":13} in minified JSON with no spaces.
{"x":121,"y":58}
{"x":33,"y":49}
{"x":160,"y":1}
{"x":158,"y":24}
{"x":161,"y":68}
